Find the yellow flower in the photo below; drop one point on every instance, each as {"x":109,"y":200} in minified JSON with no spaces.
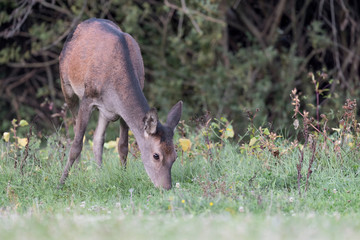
{"x":185,"y":144}
{"x":183,"y":201}
{"x":22,"y":141}
{"x":6,"y":136}
{"x":211,"y":203}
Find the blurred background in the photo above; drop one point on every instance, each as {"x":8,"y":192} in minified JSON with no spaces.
{"x":222,"y":58}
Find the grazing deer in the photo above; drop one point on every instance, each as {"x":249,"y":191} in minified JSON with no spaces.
{"x":101,"y":67}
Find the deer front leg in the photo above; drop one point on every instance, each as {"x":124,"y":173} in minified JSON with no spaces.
{"x":99,"y":137}
{"x":80,"y":128}
{"x":123,"y":142}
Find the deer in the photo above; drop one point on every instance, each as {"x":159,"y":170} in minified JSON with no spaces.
{"x":101,"y":67}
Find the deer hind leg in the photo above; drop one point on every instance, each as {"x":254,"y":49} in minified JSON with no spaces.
{"x":123,"y":142}
{"x":99,"y":137}
{"x":80,"y":128}
{"x":71,"y":99}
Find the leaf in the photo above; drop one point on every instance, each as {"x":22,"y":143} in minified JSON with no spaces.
{"x":311,"y":105}
{"x":22,"y":141}
{"x":110,"y":144}
{"x":252,"y":141}
{"x":229,"y":133}
{"x":6,"y":136}
{"x":13,"y":122}
{"x":214,"y":125}
{"x":266,"y":132}
{"x":336,"y":129}
{"x":23,"y":123}
{"x":185,"y":144}
{"x":224,"y":120}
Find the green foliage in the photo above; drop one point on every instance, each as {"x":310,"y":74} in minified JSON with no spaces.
{"x":12,"y":53}
{"x":318,"y":36}
{"x":213,"y":178}
{"x":212,"y":175}
{"x":205,"y":53}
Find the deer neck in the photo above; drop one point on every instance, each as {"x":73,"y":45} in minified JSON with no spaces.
{"x":132,"y":106}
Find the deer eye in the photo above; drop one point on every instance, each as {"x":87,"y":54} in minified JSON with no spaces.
{"x":156,"y":156}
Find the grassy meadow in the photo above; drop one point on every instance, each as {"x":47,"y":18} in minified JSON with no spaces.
{"x":222,"y":188}
{"x":283,"y":171}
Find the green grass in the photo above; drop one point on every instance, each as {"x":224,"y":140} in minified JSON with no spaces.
{"x":118,"y":226}
{"x":247,"y":195}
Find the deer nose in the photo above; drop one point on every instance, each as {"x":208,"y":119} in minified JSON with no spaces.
{"x":167,"y":186}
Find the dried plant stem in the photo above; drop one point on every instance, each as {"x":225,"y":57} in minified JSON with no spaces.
{"x":300,"y":164}
{"x":317,"y":129}
{"x":26,"y":153}
{"x":207,"y":140}
{"x":16,"y":146}
{"x":188,"y":12}
{"x":310,"y":165}
{"x":317,"y":107}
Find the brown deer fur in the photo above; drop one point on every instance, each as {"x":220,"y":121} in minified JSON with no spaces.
{"x":101,"y":67}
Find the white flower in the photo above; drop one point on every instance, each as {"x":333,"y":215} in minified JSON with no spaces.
{"x":177,"y":185}
{"x":334,"y":190}
{"x":296,"y":124}
{"x":241,"y":209}
{"x":291,"y":199}
{"x":82,"y":205}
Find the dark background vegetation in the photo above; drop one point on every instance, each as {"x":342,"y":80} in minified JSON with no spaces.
{"x":223,"y":57}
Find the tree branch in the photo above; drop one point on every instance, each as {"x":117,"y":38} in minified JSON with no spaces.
{"x":33,"y":65}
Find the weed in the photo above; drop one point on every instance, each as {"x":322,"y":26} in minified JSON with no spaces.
{"x":217,"y":171}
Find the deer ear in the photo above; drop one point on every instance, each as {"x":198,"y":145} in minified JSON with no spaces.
{"x":150,"y":121}
{"x":174,"y":115}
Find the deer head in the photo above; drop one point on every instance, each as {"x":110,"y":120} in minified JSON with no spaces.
{"x":159,"y":153}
